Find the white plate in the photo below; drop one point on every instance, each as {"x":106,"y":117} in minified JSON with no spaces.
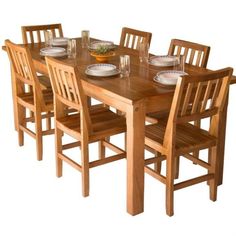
{"x":168,"y":77}
{"x":53,"y":52}
{"x":94,"y":45}
{"x":101,"y":69}
{"x":111,"y":73}
{"x":164,"y":60}
{"x":61,"y":41}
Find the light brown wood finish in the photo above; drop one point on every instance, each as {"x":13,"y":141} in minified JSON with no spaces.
{"x":131,"y":38}
{"x":125,"y":94}
{"x":206,"y":96}
{"x":89,"y":124}
{"x":35,"y":33}
{"x":37,"y":101}
{"x":195,"y":54}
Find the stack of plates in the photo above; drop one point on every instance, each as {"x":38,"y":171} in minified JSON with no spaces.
{"x":96,"y":44}
{"x":53,"y":52}
{"x":59,"y":41}
{"x":164,"y":60}
{"x":168,"y":77}
{"x":102,"y":70}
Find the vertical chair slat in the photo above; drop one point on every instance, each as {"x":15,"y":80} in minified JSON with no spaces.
{"x":186,"y":99}
{"x":199,"y":56}
{"x":191,"y":58}
{"x":196,"y":100}
{"x":206,"y":96}
{"x":215,"y":93}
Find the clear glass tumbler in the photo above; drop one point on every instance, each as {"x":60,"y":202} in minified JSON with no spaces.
{"x":48,"y":38}
{"x":85,"y":38}
{"x":124,"y":65}
{"x":71,"y":48}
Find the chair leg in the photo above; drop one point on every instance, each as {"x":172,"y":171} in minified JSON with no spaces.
{"x":58,"y":147}
{"x":48,"y":122}
{"x":13,"y":85}
{"x":102,"y":150}
{"x":158,"y":164}
{"x":21,"y":112}
{"x":39,"y":136}
{"x":177,"y":161}
{"x":213,"y":183}
{"x":85,"y":167}
{"x":170,"y":172}
{"x":196,"y":153}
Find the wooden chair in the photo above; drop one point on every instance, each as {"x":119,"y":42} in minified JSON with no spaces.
{"x":89,"y":124}
{"x":131,"y":38}
{"x":206,"y":95}
{"x":37,"y":101}
{"x":194,"y":53}
{"x":35,"y":33}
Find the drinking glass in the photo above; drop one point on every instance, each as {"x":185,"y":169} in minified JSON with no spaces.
{"x":180,"y":62}
{"x":143,"y":51}
{"x":71,"y":48}
{"x":125,"y":65}
{"x":48,"y":38}
{"x":85,"y":38}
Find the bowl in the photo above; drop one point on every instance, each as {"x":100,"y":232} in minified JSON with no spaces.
{"x":102,"y":57}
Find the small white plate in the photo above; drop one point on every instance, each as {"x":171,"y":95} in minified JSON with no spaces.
{"x":101,"y":69}
{"x":168,"y":77}
{"x":108,"y":74}
{"x":53,"y":51}
{"x":164,"y":60}
{"x":61,"y":41}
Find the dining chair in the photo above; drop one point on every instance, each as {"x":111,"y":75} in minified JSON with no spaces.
{"x":205,"y":94}
{"x":131,"y":38}
{"x":89,"y":124}
{"x":35,"y":33}
{"x":194,"y":54}
{"x":39,"y":101}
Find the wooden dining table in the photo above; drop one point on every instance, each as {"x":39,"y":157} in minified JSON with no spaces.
{"x":136,"y":96}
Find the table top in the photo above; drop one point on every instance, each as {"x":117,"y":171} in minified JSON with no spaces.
{"x":139,"y":85}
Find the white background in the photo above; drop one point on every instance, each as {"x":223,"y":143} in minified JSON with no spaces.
{"x":34,"y":202}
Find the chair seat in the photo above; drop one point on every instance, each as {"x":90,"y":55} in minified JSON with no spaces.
{"x":154,"y":117}
{"x":104,"y":123}
{"x":28,"y":98}
{"x":189,"y":137}
{"x":44,"y":82}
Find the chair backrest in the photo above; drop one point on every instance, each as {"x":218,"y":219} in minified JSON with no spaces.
{"x":23,"y":69}
{"x":68,"y":90}
{"x":198,"y":97}
{"x":131,"y":38}
{"x":35,"y":33}
{"x":195,"y":54}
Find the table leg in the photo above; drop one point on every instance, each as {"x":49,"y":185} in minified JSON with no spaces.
{"x":135,"y":116}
